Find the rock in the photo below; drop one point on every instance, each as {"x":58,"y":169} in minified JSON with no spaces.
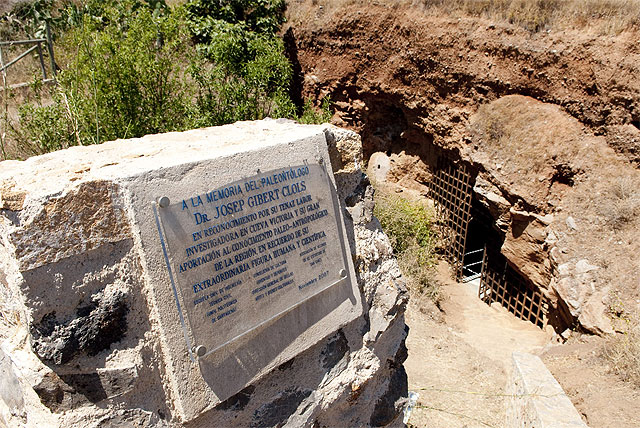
{"x":536,"y":399}
{"x":11,"y":394}
{"x":96,"y":327}
{"x":571,"y":223}
{"x":569,"y":290}
{"x":280,"y":409}
{"x":564,"y":269}
{"x":575,"y":287}
{"x":593,"y":317}
{"x":524,"y":248}
{"x":490,"y":196}
{"x":583,"y":266}
{"x":100,"y":340}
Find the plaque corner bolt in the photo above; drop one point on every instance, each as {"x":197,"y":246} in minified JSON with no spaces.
{"x":343,"y":273}
{"x":163,"y":202}
{"x":199,"y":350}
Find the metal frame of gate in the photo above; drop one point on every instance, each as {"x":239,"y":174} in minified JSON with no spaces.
{"x":505,"y":286}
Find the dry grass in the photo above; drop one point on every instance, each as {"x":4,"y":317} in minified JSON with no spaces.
{"x":624,"y":354}
{"x":604,"y":16}
{"x":619,"y":205}
{"x":624,"y":207}
{"x":535,"y":15}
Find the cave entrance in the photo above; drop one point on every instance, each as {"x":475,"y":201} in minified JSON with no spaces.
{"x":472,"y":244}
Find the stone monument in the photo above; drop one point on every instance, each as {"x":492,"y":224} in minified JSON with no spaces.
{"x":229,"y":276}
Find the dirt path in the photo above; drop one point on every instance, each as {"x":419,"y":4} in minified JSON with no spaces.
{"x":459,"y":364}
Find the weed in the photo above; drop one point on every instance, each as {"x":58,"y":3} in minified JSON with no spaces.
{"x":623,"y":353}
{"x":624,"y":203}
{"x":312,"y":116}
{"x":409,"y":225}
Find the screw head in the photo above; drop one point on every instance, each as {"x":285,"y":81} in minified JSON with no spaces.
{"x":163,"y":202}
{"x":343,"y":273}
{"x":200,"y":351}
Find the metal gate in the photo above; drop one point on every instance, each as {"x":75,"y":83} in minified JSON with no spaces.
{"x":451,"y":190}
{"x":36,"y":47}
{"x":501,"y":283}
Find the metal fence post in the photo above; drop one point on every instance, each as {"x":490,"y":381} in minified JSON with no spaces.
{"x":41,"y":58}
{"x":50,"y":48}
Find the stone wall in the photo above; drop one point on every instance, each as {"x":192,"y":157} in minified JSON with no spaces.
{"x":90,"y":333}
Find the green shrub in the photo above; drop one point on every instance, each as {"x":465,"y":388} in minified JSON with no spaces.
{"x":257,"y":16}
{"x":137,"y":67}
{"x":243,"y":73}
{"x":405,"y":221}
{"x":46,"y":129}
{"x":312,"y":116}
{"x":124,"y":81}
{"x":409,"y":225}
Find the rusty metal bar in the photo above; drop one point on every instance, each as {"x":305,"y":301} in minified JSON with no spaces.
{"x":50,"y":48}
{"x":19,"y":57}
{"x":21,"y":42}
{"x":451,"y":191}
{"x":41,"y":58}
{"x":507,"y":287}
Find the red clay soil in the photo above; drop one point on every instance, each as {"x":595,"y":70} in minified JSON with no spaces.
{"x":550,"y":120}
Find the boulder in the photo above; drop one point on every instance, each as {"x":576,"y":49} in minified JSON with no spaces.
{"x":91,"y":329}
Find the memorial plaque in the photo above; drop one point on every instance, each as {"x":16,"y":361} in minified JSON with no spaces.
{"x":247,"y":252}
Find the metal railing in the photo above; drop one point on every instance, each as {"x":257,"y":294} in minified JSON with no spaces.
{"x":37,"y":46}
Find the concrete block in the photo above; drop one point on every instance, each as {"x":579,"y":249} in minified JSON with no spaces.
{"x":100,"y":334}
{"x":536,"y":398}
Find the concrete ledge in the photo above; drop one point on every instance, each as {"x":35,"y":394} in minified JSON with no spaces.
{"x":536,"y":398}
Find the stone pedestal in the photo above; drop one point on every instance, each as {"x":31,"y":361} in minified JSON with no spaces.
{"x":115,"y":311}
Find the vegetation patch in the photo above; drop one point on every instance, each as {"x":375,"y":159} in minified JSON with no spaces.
{"x":409,"y":225}
{"x":623,"y":353}
{"x":128,"y":68}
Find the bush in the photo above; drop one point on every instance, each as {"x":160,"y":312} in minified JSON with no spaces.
{"x":624,"y":354}
{"x":243,"y":73}
{"x":409,"y":225}
{"x":312,"y":116}
{"x":121,"y":80}
{"x":124,"y":81}
{"x":47,"y":128}
{"x":137,"y":67}
{"x":406,"y":222}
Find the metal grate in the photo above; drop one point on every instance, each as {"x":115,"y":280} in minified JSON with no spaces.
{"x":505,"y":286}
{"x":451,"y":190}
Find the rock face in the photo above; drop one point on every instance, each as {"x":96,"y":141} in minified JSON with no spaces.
{"x":417,"y":85}
{"x":92,"y":338}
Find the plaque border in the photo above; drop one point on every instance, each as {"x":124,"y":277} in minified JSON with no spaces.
{"x":188,"y":332}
